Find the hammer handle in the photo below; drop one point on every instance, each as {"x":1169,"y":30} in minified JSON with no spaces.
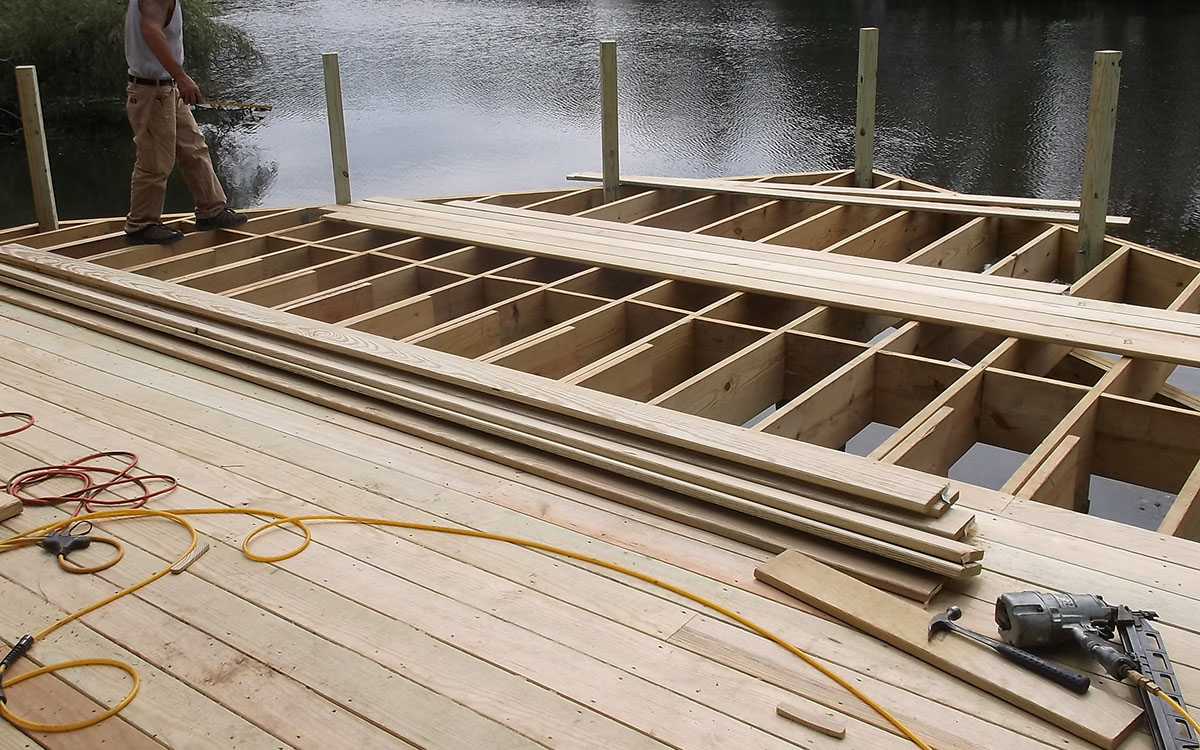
{"x":1072,"y":681}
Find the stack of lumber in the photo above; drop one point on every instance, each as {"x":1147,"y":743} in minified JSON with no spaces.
{"x":1010,"y":307}
{"x":855,"y":511}
{"x":1035,"y":209}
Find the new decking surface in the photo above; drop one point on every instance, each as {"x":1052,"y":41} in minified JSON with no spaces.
{"x":375,"y":638}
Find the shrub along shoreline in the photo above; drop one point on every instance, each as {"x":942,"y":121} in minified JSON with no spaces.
{"x":78,"y":47}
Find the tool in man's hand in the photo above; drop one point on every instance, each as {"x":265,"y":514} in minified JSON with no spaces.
{"x":1071,"y":680}
{"x":1033,"y":619}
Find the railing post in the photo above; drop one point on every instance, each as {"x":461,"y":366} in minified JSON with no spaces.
{"x":35,"y":148}
{"x":337,"y":127}
{"x":1097,"y":159}
{"x":864,"y":133}
{"x":608,"y":120}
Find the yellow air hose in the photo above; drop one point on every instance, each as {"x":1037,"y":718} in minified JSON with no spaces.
{"x":33,"y":536}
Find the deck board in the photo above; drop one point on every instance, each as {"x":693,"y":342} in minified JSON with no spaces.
{"x":506,"y":643}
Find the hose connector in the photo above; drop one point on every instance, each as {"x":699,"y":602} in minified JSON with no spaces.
{"x":15,"y":653}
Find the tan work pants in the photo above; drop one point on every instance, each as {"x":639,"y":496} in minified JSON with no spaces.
{"x":165,"y":131}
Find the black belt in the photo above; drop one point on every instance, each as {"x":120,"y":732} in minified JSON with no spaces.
{"x":152,"y":81}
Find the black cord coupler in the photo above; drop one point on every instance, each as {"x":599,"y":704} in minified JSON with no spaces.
{"x":20,"y":649}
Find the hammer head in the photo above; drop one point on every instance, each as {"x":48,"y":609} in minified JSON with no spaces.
{"x":942,"y":621}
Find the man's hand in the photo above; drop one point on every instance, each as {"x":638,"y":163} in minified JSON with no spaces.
{"x":188,"y":90}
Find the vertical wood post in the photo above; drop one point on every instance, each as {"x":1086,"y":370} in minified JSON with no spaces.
{"x":337,"y":127}
{"x":35,"y":148}
{"x":1097,"y":158}
{"x":864,"y":133}
{"x":608,"y":119}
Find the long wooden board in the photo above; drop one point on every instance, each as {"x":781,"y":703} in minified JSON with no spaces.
{"x":908,"y":582}
{"x":1082,"y":323}
{"x":973,"y":289}
{"x":1098,"y":716}
{"x":863,"y":265}
{"x":892,"y":485}
{"x":912,"y":546}
{"x":913,"y":204}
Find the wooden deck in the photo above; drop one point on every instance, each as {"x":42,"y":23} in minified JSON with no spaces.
{"x":379,"y":639}
{"x":676,"y":381}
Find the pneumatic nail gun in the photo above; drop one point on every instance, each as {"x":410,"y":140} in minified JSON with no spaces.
{"x":1033,"y":619}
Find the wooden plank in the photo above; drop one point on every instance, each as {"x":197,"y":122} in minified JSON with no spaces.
{"x":35,"y":148}
{"x":802,"y":628}
{"x":1099,"y":325}
{"x":902,"y":486}
{"x":1097,"y":158}
{"x":9,"y":507}
{"x":967,"y":248}
{"x":1183,"y":518}
{"x":893,"y":238}
{"x":864,"y":129}
{"x":909,"y":582}
{"x":1145,"y":444}
{"x":912,"y":546}
{"x":812,"y":715}
{"x":851,"y":222}
{"x":610,"y":150}
{"x":337,"y":127}
{"x":912,"y":204}
{"x":1098,"y":716}
{"x":1056,"y":481}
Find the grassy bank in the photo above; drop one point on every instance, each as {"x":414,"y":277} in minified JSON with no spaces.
{"x":78,"y":47}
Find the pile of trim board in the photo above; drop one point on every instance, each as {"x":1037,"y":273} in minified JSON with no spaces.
{"x":862,"y":516}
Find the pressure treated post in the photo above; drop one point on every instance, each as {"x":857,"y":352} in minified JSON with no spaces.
{"x":864,"y":134}
{"x":35,"y":148}
{"x":337,"y":128}
{"x":608,"y":119}
{"x":1097,"y":158}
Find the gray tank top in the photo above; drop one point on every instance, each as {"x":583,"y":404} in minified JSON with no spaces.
{"x":142,"y":62}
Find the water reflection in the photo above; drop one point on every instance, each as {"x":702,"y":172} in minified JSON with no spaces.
{"x":449,"y":96}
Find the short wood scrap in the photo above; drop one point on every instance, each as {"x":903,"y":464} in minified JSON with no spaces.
{"x":1099,"y":717}
{"x":814,"y":716}
{"x":9,"y":507}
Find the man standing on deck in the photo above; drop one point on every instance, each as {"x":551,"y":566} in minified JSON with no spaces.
{"x":158,"y":101}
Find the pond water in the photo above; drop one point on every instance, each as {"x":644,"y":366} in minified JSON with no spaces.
{"x":468,"y":96}
{"x":453,"y":96}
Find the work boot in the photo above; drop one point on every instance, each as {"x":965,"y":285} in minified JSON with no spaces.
{"x":227,"y":219}
{"x":154,"y":234}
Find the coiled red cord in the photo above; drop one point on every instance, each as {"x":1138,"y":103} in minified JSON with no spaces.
{"x":19,"y":415}
{"x":87,"y":474}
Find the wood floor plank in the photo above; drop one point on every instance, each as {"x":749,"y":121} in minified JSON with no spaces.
{"x":311,"y":426}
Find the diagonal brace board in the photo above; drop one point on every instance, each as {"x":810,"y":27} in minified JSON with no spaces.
{"x":1098,"y":716}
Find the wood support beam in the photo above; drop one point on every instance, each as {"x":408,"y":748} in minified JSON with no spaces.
{"x":1183,"y":519}
{"x":35,"y":148}
{"x":337,"y":127}
{"x":1097,"y":159}
{"x":608,"y":120}
{"x":864,"y":130}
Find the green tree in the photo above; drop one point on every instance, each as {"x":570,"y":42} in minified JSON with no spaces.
{"x":78,"y":47}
